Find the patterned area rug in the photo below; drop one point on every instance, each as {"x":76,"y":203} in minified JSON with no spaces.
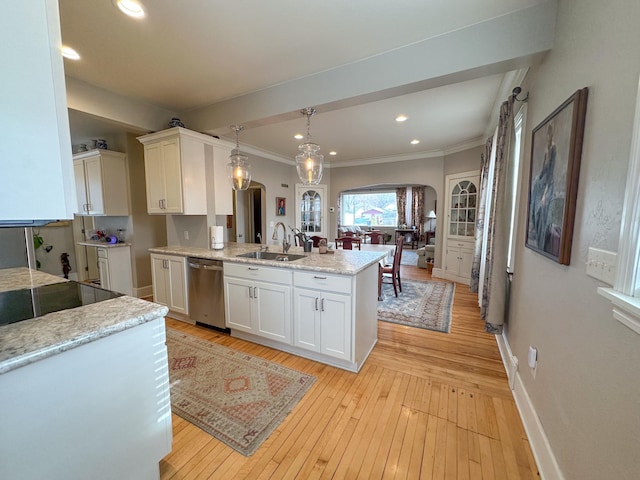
{"x":238,"y":398}
{"x":420,"y":304}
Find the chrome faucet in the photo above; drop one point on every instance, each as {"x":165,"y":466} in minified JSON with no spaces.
{"x":285,"y":245}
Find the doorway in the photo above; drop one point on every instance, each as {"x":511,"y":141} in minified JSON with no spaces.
{"x":250,"y":214}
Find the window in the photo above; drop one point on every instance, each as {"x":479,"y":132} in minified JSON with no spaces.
{"x":625,"y":294}
{"x":514,"y":171}
{"x":369,"y":209}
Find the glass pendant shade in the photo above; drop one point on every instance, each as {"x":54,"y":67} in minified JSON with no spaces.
{"x":238,"y":170}
{"x":309,"y":162}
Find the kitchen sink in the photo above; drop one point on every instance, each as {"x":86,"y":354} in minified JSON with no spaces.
{"x":278,"y":257}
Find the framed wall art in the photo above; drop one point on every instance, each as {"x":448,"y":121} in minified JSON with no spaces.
{"x":281,"y":206}
{"x":556,"y":149}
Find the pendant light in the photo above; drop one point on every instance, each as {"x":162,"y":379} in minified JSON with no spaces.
{"x":309,"y":161}
{"x":238,"y":171}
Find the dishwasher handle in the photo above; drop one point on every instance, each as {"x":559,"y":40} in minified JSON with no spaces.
{"x":201,"y":266}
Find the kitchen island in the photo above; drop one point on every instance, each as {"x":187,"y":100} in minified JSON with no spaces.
{"x":319,"y":306}
{"x":84,"y":391}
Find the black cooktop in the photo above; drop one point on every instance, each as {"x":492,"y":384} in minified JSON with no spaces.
{"x":18,"y":305}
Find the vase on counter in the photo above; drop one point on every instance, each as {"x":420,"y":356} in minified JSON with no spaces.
{"x":101,"y":143}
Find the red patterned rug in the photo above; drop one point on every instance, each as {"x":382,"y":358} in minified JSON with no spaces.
{"x":238,"y":398}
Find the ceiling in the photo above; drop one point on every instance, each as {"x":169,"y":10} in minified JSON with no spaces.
{"x":194,"y":54}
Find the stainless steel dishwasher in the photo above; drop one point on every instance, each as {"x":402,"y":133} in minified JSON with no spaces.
{"x":206,"y":292}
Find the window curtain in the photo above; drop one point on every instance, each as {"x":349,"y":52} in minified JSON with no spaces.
{"x":496,"y":228}
{"x":417,"y":208}
{"x":485,"y":162}
{"x":401,"y":202}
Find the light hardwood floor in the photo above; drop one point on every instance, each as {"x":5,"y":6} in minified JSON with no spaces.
{"x":425,"y":405}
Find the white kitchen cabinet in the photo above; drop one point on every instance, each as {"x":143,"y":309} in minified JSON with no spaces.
{"x":258,"y":301}
{"x":169,"y":277}
{"x":322,"y":322}
{"x":35,"y":148}
{"x":101,"y":183}
{"x":114,"y":268}
{"x":183,"y":173}
{"x":322,"y":314}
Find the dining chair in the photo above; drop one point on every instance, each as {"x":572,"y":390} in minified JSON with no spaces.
{"x":377,"y":238}
{"x":392,"y":272}
{"x":316,"y":240}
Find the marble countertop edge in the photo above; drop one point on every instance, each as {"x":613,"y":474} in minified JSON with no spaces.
{"x":341,"y":262}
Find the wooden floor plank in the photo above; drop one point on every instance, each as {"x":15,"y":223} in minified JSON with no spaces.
{"x":424,"y":405}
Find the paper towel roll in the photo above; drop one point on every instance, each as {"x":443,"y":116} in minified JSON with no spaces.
{"x":217,"y":237}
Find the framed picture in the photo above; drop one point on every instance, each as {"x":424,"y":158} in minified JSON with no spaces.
{"x":281,"y":206}
{"x":556,"y":148}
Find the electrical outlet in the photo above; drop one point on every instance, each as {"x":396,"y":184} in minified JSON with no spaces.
{"x":186,"y":234}
{"x":602,"y":265}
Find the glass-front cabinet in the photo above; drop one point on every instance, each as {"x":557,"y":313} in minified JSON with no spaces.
{"x":461,"y":204}
{"x":462,"y":217}
{"x":311,"y":209}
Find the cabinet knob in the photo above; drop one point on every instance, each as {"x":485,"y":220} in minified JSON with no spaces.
{"x":250,"y":294}
{"x":322,"y":305}
{"x":316,"y":303}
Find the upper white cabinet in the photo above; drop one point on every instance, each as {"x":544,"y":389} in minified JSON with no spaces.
{"x":184,"y":172}
{"x":35,"y":147}
{"x":101,"y":183}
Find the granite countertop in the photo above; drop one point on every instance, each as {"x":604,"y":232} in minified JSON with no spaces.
{"x":342,"y":262}
{"x":35,"y":339}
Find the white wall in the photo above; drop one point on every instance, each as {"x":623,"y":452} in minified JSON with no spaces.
{"x":587,"y":382}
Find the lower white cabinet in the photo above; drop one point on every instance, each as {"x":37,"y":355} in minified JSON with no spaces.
{"x":169,"y":276}
{"x":114,"y":268}
{"x":329,"y":318}
{"x":256,"y":306}
{"x":458,"y":261}
{"x":322,"y":319}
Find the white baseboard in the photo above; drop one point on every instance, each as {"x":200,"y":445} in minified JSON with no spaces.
{"x":437,"y":272}
{"x":142,"y":292}
{"x":542,"y":452}
{"x":509,"y":360}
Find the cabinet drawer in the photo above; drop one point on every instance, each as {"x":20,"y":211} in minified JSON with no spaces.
{"x":318,"y":280}
{"x":102,"y":253}
{"x":257,"y":272}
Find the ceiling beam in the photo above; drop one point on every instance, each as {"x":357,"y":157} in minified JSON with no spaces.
{"x":512,"y":41}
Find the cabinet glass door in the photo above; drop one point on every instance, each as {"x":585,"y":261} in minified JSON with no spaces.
{"x":311,"y":209}
{"x":463,"y":202}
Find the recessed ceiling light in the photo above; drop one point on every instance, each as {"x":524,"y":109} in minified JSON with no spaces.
{"x":131,"y":8}
{"x":70,"y":53}
{"x":401,"y":118}
{"x":298,"y":136}
{"x":333,"y":152}
{"x":415,"y":142}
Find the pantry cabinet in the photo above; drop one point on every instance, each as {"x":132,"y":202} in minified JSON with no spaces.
{"x":185,"y":173}
{"x":101,"y":183}
{"x":169,"y":277}
{"x":258,"y":301}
